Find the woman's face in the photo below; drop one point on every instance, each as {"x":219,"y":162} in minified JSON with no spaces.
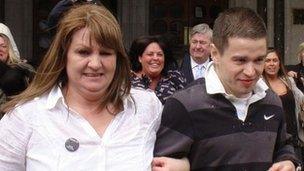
{"x":3,"y":50}
{"x":272,"y":64}
{"x":152,"y":60}
{"x":302,"y":55}
{"x":90,"y":67}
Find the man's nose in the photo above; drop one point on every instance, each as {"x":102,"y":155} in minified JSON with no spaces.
{"x":249,"y":70}
{"x":198,"y":45}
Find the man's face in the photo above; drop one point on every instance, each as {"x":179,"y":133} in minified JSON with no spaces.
{"x":200,"y":47}
{"x":240,"y":65}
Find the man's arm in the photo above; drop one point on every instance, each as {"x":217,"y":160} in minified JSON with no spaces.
{"x":284,"y":155}
{"x":175,"y":135}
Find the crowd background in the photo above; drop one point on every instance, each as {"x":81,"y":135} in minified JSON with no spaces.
{"x":151,"y":67}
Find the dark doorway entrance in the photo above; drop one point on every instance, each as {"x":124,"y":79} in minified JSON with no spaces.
{"x":2,"y":11}
{"x":174,"y":18}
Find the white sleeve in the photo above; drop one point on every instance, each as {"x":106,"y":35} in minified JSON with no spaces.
{"x":159,"y":109}
{"x":14,"y":137}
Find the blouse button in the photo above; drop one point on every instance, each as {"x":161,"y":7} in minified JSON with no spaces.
{"x":71,"y":144}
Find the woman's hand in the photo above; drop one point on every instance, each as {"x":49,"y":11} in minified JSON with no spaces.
{"x":282,"y":166}
{"x":170,"y":164}
{"x":292,"y":74}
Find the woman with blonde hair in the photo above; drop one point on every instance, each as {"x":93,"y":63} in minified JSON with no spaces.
{"x":7,"y":53}
{"x":15,"y":73}
{"x":80,"y":111}
{"x":297,"y":71}
{"x":6,"y":31}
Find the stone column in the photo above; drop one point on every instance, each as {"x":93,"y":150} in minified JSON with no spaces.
{"x":19,"y":18}
{"x":133,"y":16}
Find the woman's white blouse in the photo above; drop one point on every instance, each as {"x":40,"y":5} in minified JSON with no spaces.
{"x":33,"y":136}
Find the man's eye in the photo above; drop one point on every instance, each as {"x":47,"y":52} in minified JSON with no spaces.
{"x":261,"y":60}
{"x":240,"y":60}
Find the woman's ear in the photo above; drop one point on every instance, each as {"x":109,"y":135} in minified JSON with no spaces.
{"x":215,"y":54}
{"x":139,"y":59}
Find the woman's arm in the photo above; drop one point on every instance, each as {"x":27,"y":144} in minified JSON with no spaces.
{"x":14,"y":137}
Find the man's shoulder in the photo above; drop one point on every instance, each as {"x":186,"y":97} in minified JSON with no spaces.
{"x":192,"y":95}
{"x":272,"y":98}
{"x":195,"y":86}
{"x":185,"y":61}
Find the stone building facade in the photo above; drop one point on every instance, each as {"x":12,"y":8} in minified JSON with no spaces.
{"x":173,"y":18}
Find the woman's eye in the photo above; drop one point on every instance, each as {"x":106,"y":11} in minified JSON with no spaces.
{"x":84,"y":52}
{"x":105,"y":53}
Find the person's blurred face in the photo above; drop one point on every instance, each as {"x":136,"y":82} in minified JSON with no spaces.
{"x":200,"y":47}
{"x":302,"y":56}
{"x":3,"y":50}
{"x":152,"y":60}
{"x":90,"y":67}
{"x":272,"y":64}
{"x":240,"y":65}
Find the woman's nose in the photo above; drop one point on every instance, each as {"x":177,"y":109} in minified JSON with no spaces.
{"x":95,"y":62}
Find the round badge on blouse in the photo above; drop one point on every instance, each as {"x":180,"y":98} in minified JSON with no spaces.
{"x":71,"y":144}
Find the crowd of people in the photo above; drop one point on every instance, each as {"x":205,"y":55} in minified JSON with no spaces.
{"x":230,"y":105}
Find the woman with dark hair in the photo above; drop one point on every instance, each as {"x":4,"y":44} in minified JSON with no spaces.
{"x":154,"y":67}
{"x":292,"y":98}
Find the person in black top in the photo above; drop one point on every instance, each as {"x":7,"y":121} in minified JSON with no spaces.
{"x":292,"y":98}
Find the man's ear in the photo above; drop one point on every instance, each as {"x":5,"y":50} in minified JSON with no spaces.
{"x":215,"y":54}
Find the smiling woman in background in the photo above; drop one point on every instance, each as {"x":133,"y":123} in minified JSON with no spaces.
{"x":292,"y":98}
{"x":154,"y":68}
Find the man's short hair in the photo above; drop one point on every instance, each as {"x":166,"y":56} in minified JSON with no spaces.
{"x":237,"y":22}
{"x":201,"y":29}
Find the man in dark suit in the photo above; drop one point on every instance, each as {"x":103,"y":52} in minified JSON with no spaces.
{"x":195,"y":63}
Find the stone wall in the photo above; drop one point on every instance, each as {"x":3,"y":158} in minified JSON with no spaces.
{"x":294,"y":33}
{"x":19,"y":18}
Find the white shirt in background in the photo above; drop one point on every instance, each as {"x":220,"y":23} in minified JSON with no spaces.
{"x":198,"y":70}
